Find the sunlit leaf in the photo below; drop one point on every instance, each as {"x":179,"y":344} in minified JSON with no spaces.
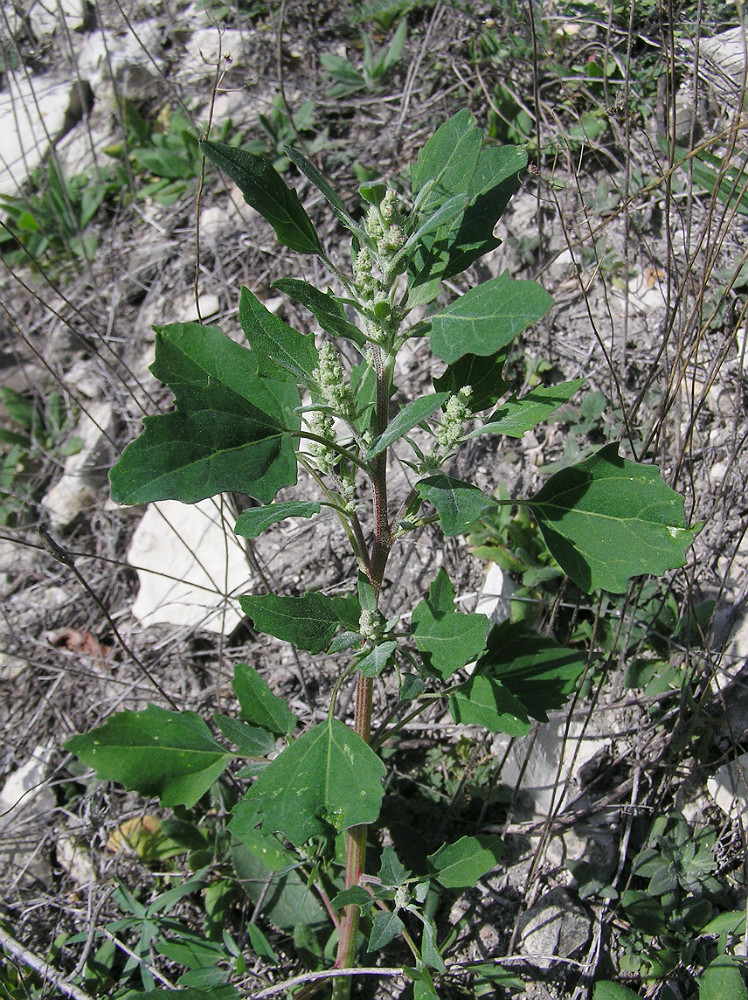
{"x":309,"y":622}
{"x":326,"y":779}
{"x":487,"y":317}
{"x":449,"y":638}
{"x":458,"y":504}
{"x":460,"y":865}
{"x":155,"y":752}
{"x":229,"y":432}
{"x":259,"y":705}
{"x":266,"y":191}
{"x":607,"y":519}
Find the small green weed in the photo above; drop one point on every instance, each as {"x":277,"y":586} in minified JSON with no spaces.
{"x":280,"y":131}
{"x":47,"y":224}
{"x":165,"y":153}
{"x":375,"y":67}
{"x":30,"y":432}
{"x":678,"y":913}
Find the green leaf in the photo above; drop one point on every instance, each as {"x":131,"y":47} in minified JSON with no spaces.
{"x":335,"y":201}
{"x":229,"y":432}
{"x":487,"y":317}
{"x":644,"y":911}
{"x":268,"y":874}
{"x":612,"y":991}
{"x":253,"y":521}
{"x":484,"y":376}
{"x":250,"y":740}
{"x":374,"y":662}
{"x":355,"y":896}
{"x":722,"y":980}
{"x":266,"y":191}
{"x":453,"y":162}
{"x":484,"y":701}
{"x":448,"y":159}
{"x":607,"y":519}
{"x":324,"y":306}
{"x":409,"y":417}
{"x":155,"y":752}
{"x":496,"y":178}
{"x":391,"y":870}
{"x":328,"y":777}
{"x":309,"y":622}
{"x":519,"y":415}
{"x":259,"y":705}
{"x":534,"y":668}
{"x":458,"y":504}
{"x":385,"y":928}
{"x":448,"y":637}
{"x":460,"y":865}
{"x":732,"y":923}
{"x":279,"y":348}
{"x":430,"y":955}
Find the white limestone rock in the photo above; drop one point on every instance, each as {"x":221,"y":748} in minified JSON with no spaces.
{"x":84,"y":471}
{"x":188,"y":561}
{"x":32,"y":113}
{"x":729,"y":789}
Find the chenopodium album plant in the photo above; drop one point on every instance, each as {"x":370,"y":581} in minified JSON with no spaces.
{"x":247,"y":416}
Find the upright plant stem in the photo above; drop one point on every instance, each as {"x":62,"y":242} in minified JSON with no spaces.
{"x":355,"y":849}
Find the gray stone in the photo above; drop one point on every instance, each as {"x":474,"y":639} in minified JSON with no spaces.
{"x":131,"y":60}
{"x":47,"y":17}
{"x":189,"y":565}
{"x":26,"y":791}
{"x":556,"y":927}
{"x":496,"y":597}
{"x":32,"y":114}
{"x":549,"y":762}
{"x":85,"y":471}
{"x":729,"y":789}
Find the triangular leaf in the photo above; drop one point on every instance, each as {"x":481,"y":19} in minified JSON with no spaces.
{"x":326,"y":308}
{"x":249,"y":740}
{"x":484,"y":701}
{"x":155,"y":752}
{"x":458,"y":504}
{"x":496,"y":178}
{"x":326,"y":778}
{"x":607,"y":519}
{"x":266,"y":191}
{"x":229,"y":432}
{"x":309,"y":622}
{"x":253,"y":521}
{"x":391,"y":870}
{"x":258,"y":704}
{"x":450,"y":638}
{"x":355,"y":896}
{"x":460,"y":865}
{"x":534,"y":668}
{"x":409,"y":417}
{"x":281,"y":351}
{"x":374,"y":662}
{"x":516,"y":416}
{"x":385,"y":928}
{"x":487,"y":317}
{"x":448,"y":159}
